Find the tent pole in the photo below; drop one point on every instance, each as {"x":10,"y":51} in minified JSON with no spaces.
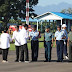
{"x":53,"y":25}
{"x":68,"y":25}
{"x":61,"y":23}
{"x":41,"y":26}
{"x":37,"y":25}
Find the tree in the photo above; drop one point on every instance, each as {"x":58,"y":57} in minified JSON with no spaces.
{"x":15,"y":9}
{"x":63,"y":11}
{"x":69,"y":10}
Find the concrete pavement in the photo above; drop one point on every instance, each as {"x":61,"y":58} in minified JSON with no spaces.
{"x":39,"y":66}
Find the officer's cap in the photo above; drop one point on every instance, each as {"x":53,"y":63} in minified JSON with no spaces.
{"x":47,"y":27}
{"x":64,"y":25}
{"x":34,"y":26}
{"x":59,"y":26}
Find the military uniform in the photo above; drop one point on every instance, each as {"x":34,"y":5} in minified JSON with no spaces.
{"x":48,"y":41}
{"x":65,"y":43}
{"x":60,"y":44}
{"x":70,"y":45}
{"x":34,"y":44}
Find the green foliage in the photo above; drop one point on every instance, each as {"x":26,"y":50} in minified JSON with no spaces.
{"x":15,"y":9}
{"x":69,"y":10}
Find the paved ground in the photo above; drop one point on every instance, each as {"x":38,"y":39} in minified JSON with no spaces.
{"x":39,"y":66}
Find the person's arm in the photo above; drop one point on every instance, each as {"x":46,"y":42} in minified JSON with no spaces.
{"x":68,"y":41}
{"x":29,"y":35}
{"x":68,"y":38}
{"x":64,"y":35}
{"x":26,"y":35}
{"x":44,"y":41}
{"x":55,"y":41}
{"x":13,"y":37}
{"x":10,"y":38}
{"x":55,"y":38}
{"x":44,"y":37}
{"x":52,"y":40}
{"x":37,"y":35}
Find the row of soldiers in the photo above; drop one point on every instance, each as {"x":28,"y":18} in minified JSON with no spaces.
{"x":22,"y":36}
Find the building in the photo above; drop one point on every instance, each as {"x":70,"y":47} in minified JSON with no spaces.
{"x":60,"y":18}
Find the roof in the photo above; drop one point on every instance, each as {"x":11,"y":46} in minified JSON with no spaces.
{"x":63,"y":15}
{"x":56,"y":15}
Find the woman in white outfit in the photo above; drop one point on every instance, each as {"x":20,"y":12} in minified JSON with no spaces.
{"x":5,"y":45}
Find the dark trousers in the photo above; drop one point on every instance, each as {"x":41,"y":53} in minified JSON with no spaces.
{"x":24,"y":48}
{"x":70,"y":50}
{"x":0,"y":51}
{"x":17,"y":52}
{"x":34,"y":48}
{"x":48,"y":49}
{"x":5,"y":53}
{"x":65,"y":49}
{"x":60,"y":46}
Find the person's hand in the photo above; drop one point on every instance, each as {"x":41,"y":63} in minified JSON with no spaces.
{"x":52,"y":45}
{"x":55,"y":44}
{"x":63,"y":37}
{"x":68,"y":44}
{"x":29,"y":38}
{"x":37,"y":37}
{"x":12,"y":41}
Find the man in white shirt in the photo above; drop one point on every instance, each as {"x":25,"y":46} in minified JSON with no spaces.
{"x":23,"y":41}
{"x":5,"y":44}
{"x":17,"y":42}
{"x":59,"y":36}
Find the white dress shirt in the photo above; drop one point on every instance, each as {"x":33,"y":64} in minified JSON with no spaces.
{"x":23,"y":36}
{"x":59,"y":35}
{"x":5,"y":40}
{"x":16,"y":37}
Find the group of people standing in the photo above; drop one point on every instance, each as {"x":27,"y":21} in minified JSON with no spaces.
{"x":21,"y":37}
{"x":61,"y":38}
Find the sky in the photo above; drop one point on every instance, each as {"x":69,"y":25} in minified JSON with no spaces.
{"x":50,"y":2}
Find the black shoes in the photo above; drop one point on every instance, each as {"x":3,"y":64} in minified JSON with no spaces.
{"x":47,"y":61}
{"x":59,"y":60}
{"x":16,"y":60}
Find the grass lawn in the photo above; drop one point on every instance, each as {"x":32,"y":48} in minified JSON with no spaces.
{"x":41,"y":44}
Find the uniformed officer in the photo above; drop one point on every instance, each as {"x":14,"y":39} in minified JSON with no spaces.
{"x":17,"y":42}
{"x":65,"y":41}
{"x":59,"y":36}
{"x":48,"y":39}
{"x":70,"y":44}
{"x":34,"y":43}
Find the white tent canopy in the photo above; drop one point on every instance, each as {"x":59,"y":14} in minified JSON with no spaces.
{"x":49,"y":16}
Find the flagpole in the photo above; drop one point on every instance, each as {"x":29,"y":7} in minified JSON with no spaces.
{"x":27,"y":12}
